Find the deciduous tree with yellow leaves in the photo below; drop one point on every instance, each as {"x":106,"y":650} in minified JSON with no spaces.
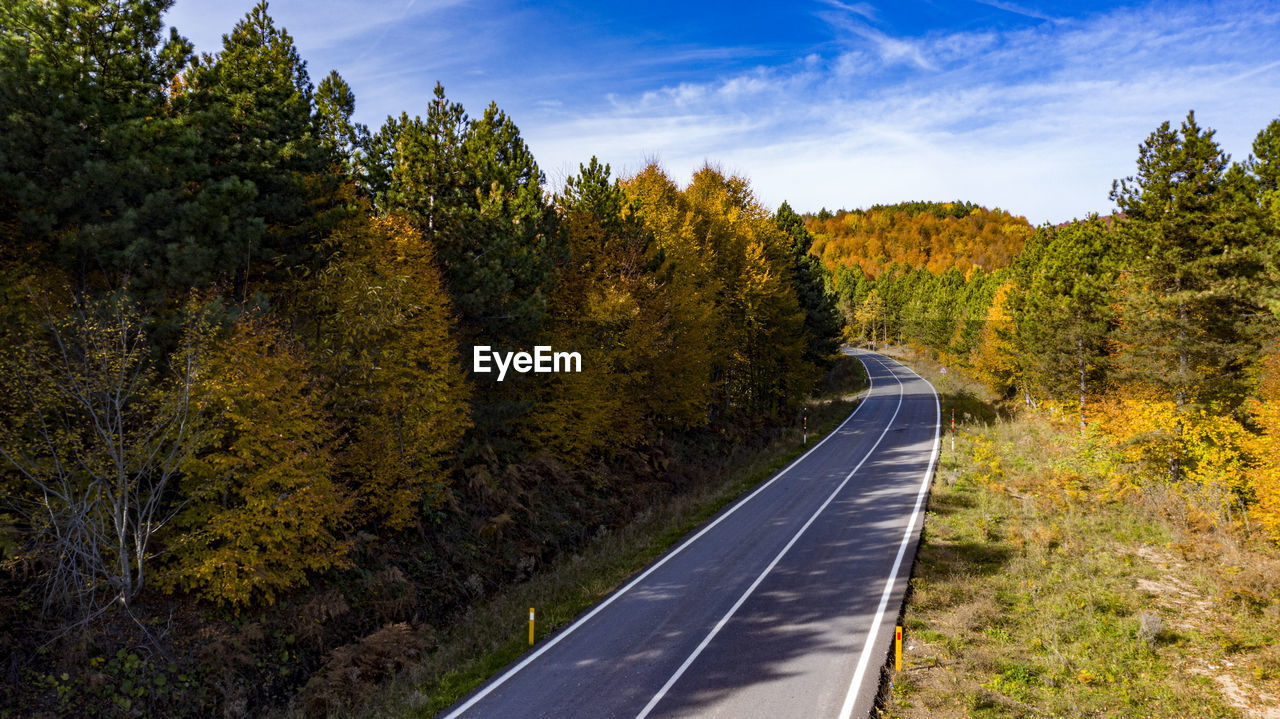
{"x":264,"y":509}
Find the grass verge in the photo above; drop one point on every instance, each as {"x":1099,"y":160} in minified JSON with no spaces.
{"x":1044,"y":587}
{"x":493,"y":633}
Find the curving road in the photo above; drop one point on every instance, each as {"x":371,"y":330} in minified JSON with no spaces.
{"x":782,"y":605}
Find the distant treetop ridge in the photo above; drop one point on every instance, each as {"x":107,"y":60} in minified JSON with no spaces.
{"x":934,"y":235}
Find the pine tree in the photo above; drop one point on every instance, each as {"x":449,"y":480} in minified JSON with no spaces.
{"x":474,"y":191}
{"x":1263,"y":169}
{"x":1065,"y":311}
{"x":101,"y":171}
{"x":253,"y":103}
{"x":1189,"y":310}
{"x":821,"y":320}
{"x":342,"y":138}
{"x":850,"y":286}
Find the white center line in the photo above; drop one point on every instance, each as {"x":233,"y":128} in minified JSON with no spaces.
{"x":725,"y":619}
{"x":599,"y":607}
{"x":867,"y":649}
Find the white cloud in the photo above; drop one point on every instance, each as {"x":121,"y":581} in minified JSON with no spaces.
{"x":315,"y":25}
{"x":1017,"y":9}
{"x":1038,"y":121}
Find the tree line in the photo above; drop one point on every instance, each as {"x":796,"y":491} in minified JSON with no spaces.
{"x":1154,"y":327}
{"x":936,"y":236}
{"x":237,"y":329}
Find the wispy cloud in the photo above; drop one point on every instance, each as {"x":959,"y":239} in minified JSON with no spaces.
{"x":852,"y":23}
{"x":1017,"y":9}
{"x":998,"y":101}
{"x":866,"y":10}
{"x":1038,"y":120}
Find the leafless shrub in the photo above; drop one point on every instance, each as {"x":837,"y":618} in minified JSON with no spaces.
{"x":1149,"y":627}
{"x":96,"y":442}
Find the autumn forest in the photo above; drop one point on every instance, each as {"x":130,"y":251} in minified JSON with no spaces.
{"x":240,"y":432}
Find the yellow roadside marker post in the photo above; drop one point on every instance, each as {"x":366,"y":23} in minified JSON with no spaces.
{"x":897,"y":649}
{"x":530,"y":626}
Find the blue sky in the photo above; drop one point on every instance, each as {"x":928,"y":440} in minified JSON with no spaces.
{"x":1034,"y":107}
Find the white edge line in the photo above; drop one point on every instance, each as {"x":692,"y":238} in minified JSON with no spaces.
{"x":681,"y":547}
{"x":847,"y":709}
{"x":725,"y":619}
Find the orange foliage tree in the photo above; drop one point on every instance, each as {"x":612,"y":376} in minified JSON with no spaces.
{"x":384,"y":335}
{"x":934,"y":236}
{"x":1264,"y":447}
{"x":264,"y":509}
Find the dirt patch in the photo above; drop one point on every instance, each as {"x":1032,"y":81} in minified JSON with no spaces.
{"x":1191,"y":611}
{"x":1252,"y":703}
{"x":1188,"y":608}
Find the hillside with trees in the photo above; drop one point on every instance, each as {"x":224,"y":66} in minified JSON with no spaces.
{"x":242,"y":442}
{"x":244,"y":456}
{"x":936,"y":236}
{"x":1154,"y":330}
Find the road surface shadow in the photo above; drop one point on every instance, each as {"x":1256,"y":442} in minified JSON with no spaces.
{"x":790,"y":649}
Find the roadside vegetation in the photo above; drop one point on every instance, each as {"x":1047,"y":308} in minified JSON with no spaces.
{"x":246,"y":462}
{"x":493,"y":633}
{"x":1051,"y":583}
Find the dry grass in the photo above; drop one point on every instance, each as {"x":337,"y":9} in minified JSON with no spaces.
{"x":1046,"y":587}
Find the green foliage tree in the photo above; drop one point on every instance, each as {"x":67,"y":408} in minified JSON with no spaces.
{"x":342,"y":138}
{"x":1263,"y":168}
{"x":253,"y":103}
{"x":100,"y":173}
{"x":474,"y":191}
{"x":851,"y":288}
{"x":1189,"y":313}
{"x":821,"y":320}
{"x":1065,"y":312}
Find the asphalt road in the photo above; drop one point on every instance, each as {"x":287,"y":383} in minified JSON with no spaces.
{"x":782,"y":605}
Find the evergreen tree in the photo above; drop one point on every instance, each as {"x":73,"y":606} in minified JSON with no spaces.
{"x":1066,"y":311}
{"x":341,"y":137}
{"x":851,"y":287}
{"x":1263,"y":168}
{"x":100,"y":171}
{"x":1189,"y":309}
{"x":474,"y":190}
{"x":253,"y":102}
{"x":821,"y":320}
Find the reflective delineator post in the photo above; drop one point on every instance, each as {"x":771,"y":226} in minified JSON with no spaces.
{"x":805,"y":423}
{"x":530,"y":626}
{"x":897,"y":649}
